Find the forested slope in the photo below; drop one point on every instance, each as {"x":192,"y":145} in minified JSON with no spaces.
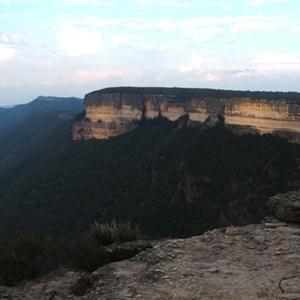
{"x":170,"y":181}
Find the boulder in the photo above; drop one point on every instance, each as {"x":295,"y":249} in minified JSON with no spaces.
{"x":285,"y":207}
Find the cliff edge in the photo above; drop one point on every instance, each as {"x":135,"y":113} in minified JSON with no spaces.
{"x":252,"y":262}
{"x":109,"y":114}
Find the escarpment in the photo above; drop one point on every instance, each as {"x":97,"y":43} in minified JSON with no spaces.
{"x":109,"y":114}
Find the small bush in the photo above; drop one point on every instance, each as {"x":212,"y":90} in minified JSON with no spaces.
{"x":90,"y":253}
{"x":25,"y":257}
{"x":109,"y":233}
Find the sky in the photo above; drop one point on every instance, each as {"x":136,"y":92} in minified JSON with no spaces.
{"x":72,"y":47}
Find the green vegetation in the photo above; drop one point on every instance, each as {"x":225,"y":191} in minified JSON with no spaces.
{"x":109,"y":233}
{"x":186,"y":93}
{"x":171,"y":182}
{"x":90,"y":253}
{"x":27,"y":256}
{"x":29,"y":132}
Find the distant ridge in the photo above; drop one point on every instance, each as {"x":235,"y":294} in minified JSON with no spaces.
{"x":8,"y":106}
{"x":185,"y":93}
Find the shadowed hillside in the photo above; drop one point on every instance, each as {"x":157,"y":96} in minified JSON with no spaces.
{"x":170,"y":181}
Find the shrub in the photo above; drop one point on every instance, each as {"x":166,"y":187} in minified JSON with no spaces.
{"x":25,"y":257}
{"x":109,"y":233}
{"x":90,"y":253}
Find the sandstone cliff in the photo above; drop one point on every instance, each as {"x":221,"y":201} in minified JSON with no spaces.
{"x":112,"y":114}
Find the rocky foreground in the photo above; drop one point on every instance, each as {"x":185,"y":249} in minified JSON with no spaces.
{"x":252,"y":262}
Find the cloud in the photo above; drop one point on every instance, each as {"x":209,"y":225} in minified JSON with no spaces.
{"x":6,"y":52}
{"x":244,"y":73}
{"x":236,"y":24}
{"x":194,"y":63}
{"x":91,"y":2}
{"x":258,"y":23}
{"x":204,"y":27}
{"x":79,"y":41}
{"x":256,"y":2}
{"x":123,"y":40}
{"x":274,"y":65}
{"x":85,"y":76}
{"x":214,"y":68}
{"x":165,"y":25}
{"x":144,"y":2}
{"x":210,"y":77}
{"x":11,"y":1}
{"x":294,"y":30}
{"x":202,"y":69}
{"x":264,"y":2}
{"x":4,"y":38}
{"x":174,"y":4}
{"x":205,"y":33}
{"x":168,"y":3}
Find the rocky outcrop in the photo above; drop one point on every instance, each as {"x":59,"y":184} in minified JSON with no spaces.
{"x":111,"y":114}
{"x":252,"y":262}
{"x":285,"y":207}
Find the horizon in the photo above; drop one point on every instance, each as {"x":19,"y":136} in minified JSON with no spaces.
{"x":69,"y":48}
{"x":4,"y":105}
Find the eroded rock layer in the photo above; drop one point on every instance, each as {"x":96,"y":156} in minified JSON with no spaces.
{"x":112,"y":114}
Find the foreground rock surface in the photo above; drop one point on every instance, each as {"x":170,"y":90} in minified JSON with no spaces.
{"x":252,"y":262}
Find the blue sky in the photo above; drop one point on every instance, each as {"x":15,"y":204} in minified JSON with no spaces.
{"x":71,"y":47}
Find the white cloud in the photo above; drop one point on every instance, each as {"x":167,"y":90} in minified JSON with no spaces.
{"x":126,"y":40}
{"x":91,"y":2}
{"x":84,"y":76}
{"x":165,"y":25}
{"x":277,"y":62}
{"x":216,"y":67}
{"x":294,"y":30}
{"x":195,"y":63}
{"x":11,"y":1}
{"x":205,"y":33}
{"x":234,"y":24}
{"x":262,"y":2}
{"x":170,"y":3}
{"x":6,"y":52}
{"x":210,"y":77}
{"x":4,"y":38}
{"x":79,"y":41}
{"x":174,"y":3}
{"x":258,"y":23}
{"x":256,"y":2}
{"x":244,"y":73}
{"x":205,"y":27}
{"x":144,"y":2}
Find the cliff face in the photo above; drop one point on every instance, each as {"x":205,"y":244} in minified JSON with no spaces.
{"x":111,"y":114}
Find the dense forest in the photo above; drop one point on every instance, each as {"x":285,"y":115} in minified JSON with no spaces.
{"x":187,"y":93}
{"x":170,"y":181}
{"x":28,"y":133}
